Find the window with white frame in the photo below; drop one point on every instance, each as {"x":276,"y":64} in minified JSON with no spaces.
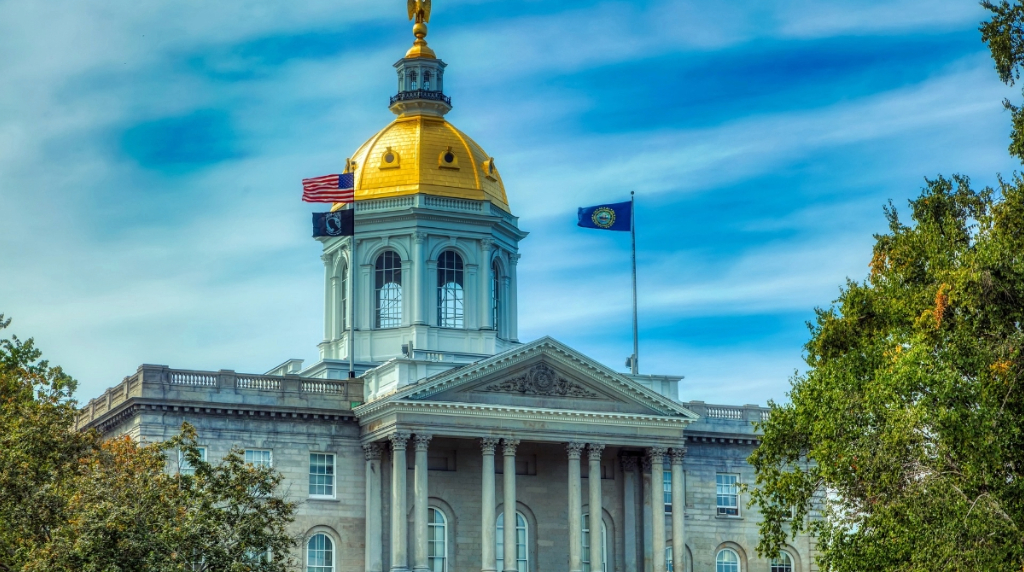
{"x":586,"y":545}
{"x":727,"y":561}
{"x":522,"y":549}
{"x":320,"y":553}
{"x":437,"y":541}
{"x":784,"y":563}
{"x":669,"y":566}
{"x":258,"y":457}
{"x":728,"y":493}
{"x":666,"y":490}
{"x":186,"y":468}
{"x":388,"y":290}
{"x":450,"y":293}
{"x":321,"y":475}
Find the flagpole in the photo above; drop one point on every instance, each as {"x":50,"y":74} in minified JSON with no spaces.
{"x":351,"y":297}
{"x":634,"y":365}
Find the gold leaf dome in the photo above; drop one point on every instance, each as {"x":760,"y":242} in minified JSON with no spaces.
{"x":426,"y":154}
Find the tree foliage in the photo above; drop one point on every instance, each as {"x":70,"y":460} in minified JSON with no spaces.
{"x":1004,"y":34}
{"x":70,"y":501}
{"x":903,"y":445}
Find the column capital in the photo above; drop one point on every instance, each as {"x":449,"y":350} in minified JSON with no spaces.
{"x":629,"y":463}
{"x":399,"y":440}
{"x":423,"y":441}
{"x":657,"y":454}
{"x":371,"y":451}
{"x":510,"y":444}
{"x":594,"y":451}
{"x":677,"y":455}
{"x":574,"y":449}
{"x":419,"y":237}
{"x":487,"y":444}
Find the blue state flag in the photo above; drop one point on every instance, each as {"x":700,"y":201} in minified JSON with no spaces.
{"x":616,"y":216}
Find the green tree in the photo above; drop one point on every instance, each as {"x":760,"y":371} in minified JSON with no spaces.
{"x":902,"y":447}
{"x":70,"y":501}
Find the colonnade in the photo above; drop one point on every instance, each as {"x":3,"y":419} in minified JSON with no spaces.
{"x":654,"y":459}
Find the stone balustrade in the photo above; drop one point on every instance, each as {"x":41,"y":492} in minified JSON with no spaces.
{"x":224,"y":387}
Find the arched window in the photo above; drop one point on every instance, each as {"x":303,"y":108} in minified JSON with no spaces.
{"x":727,"y":561}
{"x":450,"y":293}
{"x":437,"y":541}
{"x":522,"y":549}
{"x":586,"y":545}
{"x":496,"y":297}
{"x":426,"y":81}
{"x":412,"y":81}
{"x":320,"y":553}
{"x":669,"y":566}
{"x":388,"y":289}
{"x":784,"y":563}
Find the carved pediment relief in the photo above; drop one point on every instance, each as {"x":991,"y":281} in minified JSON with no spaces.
{"x":541,"y":380}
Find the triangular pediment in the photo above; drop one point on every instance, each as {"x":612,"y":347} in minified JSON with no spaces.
{"x":544,"y":374}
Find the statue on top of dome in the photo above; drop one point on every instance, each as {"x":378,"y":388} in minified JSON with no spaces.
{"x":419,"y":10}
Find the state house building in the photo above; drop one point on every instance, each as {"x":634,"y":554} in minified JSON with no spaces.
{"x":457,"y":447}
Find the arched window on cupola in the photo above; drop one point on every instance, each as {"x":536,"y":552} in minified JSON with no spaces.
{"x":450,"y":290}
{"x":496,"y":297}
{"x":426,"y":81}
{"x":412,"y":80}
{"x":388,"y":290}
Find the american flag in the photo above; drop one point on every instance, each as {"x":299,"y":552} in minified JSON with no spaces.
{"x":329,"y":189}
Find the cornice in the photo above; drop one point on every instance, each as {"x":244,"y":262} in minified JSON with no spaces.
{"x":493,"y":411}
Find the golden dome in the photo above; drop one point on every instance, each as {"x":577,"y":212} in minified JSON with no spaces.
{"x":426,"y":154}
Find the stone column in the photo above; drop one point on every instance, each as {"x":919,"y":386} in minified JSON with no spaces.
{"x":327,"y":296}
{"x":509,"y":488}
{"x":485,"y":283}
{"x":488,"y":521}
{"x":513,"y":303}
{"x":419,"y":278}
{"x":399,"y":529}
{"x":648,"y":519}
{"x":374,"y":531}
{"x":575,"y":508}
{"x":678,"y":510}
{"x":596,"y":514}
{"x":657,"y":456}
{"x":420,"y":507}
{"x":629,"y":511}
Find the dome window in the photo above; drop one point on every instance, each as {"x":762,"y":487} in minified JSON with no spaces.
{"x":489,"y":170}
{"x":389,"y":159}
{"x":448,"y":159}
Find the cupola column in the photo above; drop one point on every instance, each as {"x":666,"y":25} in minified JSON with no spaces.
{"x":485,"y":284}
{"x":513,"y":310}
{"x":419,"y":278}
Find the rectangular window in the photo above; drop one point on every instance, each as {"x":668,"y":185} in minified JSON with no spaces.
{"x":258,"y":457}
{"x":728,"y":494}
{"x":186,"y":468}
{"x":321,"y":475}
{"x":666,"y":490}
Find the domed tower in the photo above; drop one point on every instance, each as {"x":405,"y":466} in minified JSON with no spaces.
{"x":433,"y":284}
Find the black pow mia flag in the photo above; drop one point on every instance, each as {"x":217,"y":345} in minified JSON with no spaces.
{"x":337,"y":223}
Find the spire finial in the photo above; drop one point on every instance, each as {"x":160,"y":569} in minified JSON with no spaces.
{"x":419,"y":11}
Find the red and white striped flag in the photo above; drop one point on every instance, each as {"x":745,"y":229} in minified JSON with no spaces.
{"x":329,"y":189}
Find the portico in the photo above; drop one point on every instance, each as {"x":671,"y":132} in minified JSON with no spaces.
{"x":557,"y":404}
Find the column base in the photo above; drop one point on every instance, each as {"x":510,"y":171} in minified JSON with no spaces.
{"x":399,"y":569}
{"x":421,"y":569}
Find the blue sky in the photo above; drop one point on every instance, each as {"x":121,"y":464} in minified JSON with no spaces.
{"x":151,"y":153}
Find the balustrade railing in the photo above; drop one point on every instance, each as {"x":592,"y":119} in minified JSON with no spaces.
{"x":421,"y":94}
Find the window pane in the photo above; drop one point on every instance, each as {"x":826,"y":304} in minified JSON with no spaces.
{"x":320,"y":554}
{"x":258,"y":457}
{"x":186,"y":468}
{"x":388,"y":290}
{"x":727,"y":494}
{"x":437,"y":547}
{"x":666,"y":489}
{"x":450,"y":295}
{"x":727,"y":561}
{"x":321,"y":474}
{"x":783,"y":563}
{"x":522,"y":548}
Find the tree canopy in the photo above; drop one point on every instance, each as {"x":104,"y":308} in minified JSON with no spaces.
{"x":70,"y":501}
{"x":902,"y":446}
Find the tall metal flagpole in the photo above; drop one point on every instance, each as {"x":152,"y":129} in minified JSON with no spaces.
{"x":352,"y":297}
{"x":634,"y":365}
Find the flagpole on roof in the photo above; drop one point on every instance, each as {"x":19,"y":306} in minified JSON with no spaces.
{"x":633,"y":363}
